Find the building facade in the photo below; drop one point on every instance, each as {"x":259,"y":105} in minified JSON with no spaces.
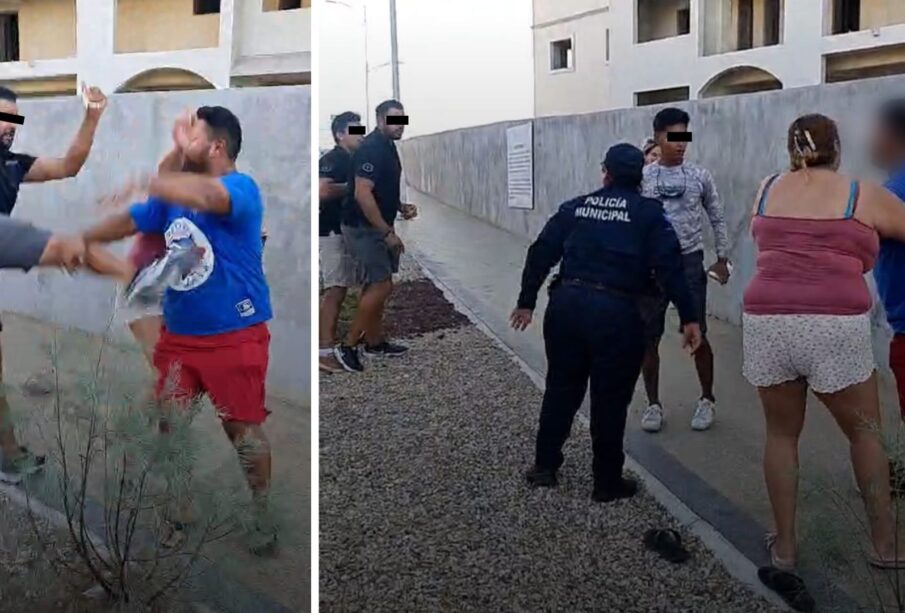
{"x":592,"y":55}
{"x":47,"y":47}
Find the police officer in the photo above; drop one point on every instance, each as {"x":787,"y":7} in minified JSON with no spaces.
{"x":608,"y":242}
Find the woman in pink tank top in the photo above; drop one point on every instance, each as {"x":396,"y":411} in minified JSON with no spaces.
{"x":806,"y":324}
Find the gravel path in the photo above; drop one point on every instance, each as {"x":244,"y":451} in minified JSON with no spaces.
{"x":423,"y":505}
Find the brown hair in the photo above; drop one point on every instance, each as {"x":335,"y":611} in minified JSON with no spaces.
{"x":813,"y":141}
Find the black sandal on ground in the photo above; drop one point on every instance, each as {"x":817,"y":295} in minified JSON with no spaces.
{"x":789,"y":587}
{"x":667,"y":544}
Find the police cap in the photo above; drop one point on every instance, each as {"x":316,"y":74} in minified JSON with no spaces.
{"x":625,"y":164}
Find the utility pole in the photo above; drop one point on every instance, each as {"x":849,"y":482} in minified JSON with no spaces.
{"x":394,"y":50}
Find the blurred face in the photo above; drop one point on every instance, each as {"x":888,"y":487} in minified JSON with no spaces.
{"x":202,"y":148}
{"x":672,"y":153}
{"x":885,"y":152}
{"x":350,"y":142}
{"x":8,"y":130}
{"x":393,"y":131}
{"x":652,"y":156}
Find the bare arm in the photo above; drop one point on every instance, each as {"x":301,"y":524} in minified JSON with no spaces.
{"x":882,"y":210}
{"x":192,"y":191}
{"x":328,"y":190}
{"x":52,"y":169}
{"x":113,"y":228}
{"x":175,"y":158}
{"x":171,"y":162}
{"x":364,"y":195}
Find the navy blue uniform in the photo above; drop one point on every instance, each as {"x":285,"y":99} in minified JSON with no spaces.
{"x":607,"y":242}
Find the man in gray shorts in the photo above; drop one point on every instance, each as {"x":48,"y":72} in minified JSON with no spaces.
{"x":688,"y":193}
{"x":369,"y":214}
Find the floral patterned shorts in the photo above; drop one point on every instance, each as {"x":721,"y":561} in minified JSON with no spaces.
{"x":830,"y":352}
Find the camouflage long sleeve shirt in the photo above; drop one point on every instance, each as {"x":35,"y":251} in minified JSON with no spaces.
{"x":688,"y":192}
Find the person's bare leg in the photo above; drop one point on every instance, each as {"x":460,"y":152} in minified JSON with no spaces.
{"x":253,"y":448}
{"x":703,"y":361}
{"x":331,"y":306}
{"x":857,"y":411}
{"x":147,"y":332}
{"x":650,"y":372}
{"x":369,"y":309}
{"x":8,"y":443}
{"x":784,"y":410}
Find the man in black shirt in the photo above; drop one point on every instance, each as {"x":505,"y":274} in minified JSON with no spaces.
{"x":339,"y":271}
{"x":15,"y":169}
{"x":369,"y":213}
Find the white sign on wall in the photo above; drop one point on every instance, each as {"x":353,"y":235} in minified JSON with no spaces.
{"x":520,"y":161}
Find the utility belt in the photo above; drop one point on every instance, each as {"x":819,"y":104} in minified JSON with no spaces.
{"x":621,"y":293}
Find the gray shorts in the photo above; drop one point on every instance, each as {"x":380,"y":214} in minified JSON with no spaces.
{"x":337,"y":266}
{"x":653,"y":308}
{"x":375,"y":260}
{"x":21,"y":244}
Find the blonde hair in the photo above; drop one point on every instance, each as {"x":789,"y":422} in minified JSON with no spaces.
{"x":813,"y":141}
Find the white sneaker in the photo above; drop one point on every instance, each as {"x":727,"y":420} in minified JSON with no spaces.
{"x":652,"y":419}
{"x":703,"y":415}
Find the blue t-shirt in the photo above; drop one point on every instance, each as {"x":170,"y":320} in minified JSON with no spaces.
{"x":889,"y":271}
{"x":228,"y":290}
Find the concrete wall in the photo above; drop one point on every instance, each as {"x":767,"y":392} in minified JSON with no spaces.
{"x":133,"y":134}
{"x":163,"y":25}
{"x":740,"y":139}
{"x":47,"y":29}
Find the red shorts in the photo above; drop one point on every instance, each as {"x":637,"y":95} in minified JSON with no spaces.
{"x":897,"y":364}
{"x":231,"y":368}
{"x":146,"y":248}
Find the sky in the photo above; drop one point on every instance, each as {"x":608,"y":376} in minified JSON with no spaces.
{"x":462,"y":63}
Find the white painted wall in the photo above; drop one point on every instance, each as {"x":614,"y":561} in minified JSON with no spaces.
{"x":244,"y":31}
{"x":679,"y":61}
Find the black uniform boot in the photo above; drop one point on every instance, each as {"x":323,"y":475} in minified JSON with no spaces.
{"x":541,"y":477}
{"x":624,"y":488}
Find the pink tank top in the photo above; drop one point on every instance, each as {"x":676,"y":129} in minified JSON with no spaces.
{"x":811,"y":266}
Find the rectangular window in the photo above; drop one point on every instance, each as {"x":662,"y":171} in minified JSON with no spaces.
{"x":683,"y":22}
{"x":207,"y":7}
{"x":745,"y":24}
{"x":561,"y":55}
{"x":772,"y":21}
{"x":662,"y":96}
{"x":846,"y":16}
{"x":607,"y":44}
{"x":9,"y":37}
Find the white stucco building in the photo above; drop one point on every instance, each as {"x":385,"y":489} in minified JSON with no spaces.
{"x":48,"y":46}
{"x":591,"y":55}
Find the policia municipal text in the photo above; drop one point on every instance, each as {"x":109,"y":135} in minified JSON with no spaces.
{"x":608,"y":243}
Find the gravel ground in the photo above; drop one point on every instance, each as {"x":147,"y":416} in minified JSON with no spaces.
{"x":423,"y":505}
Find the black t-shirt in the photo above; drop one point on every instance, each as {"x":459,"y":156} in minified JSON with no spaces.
{"x":335,"y":165}
{"x":376,"y":159}
{"x":13,"y":168}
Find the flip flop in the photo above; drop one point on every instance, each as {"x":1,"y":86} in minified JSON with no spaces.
{"x":788,"y":586}
{"x":776,"y":561}
{"x":667,"y":544}
{"x":882,"y":564}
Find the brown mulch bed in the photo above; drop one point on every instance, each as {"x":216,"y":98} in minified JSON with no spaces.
{"x":415,"y":308}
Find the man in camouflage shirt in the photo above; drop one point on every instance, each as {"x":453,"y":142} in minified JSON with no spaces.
{"x":688,"y":194}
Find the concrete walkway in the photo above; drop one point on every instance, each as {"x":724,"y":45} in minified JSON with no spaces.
{"x":716,"y":473}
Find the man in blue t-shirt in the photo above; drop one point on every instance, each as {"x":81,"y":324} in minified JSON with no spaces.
{"x":888,"y":153}
{"x":215,"y":338}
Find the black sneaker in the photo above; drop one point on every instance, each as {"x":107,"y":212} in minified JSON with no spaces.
{"x":385,"y":349}
{"x":15,"y":470}
{"x":348,"y":358}
{"x":541,"y":477}
{"x":625,"y":488}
